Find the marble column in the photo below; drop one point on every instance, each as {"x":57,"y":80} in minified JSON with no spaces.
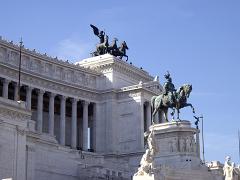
{"x":51,"y":114}
{"x":29,"y":98}
{"x":148,"y":108}
{"x":62,"y":120}
{"x":40,"y":111}
{"x":74,"y":124}
{"x":16,"y":92}
{"x":85,"y":125}
{"x":5,"y":88}
{"x":94,"y":129}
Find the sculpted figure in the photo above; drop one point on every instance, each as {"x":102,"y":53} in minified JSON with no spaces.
{"x":193,"y":144}
{"x":175,"y":145}
{"x":147,"y":159}
{"x":169,"y":88}
{"x":145,"y":164}
{"x":170,"y":146}
{"x":188,"y":144}
{"x":102,"y":47}
{"x":98,"y":33}
{"x":228,"y":169}
{"x":152,"y":145}
{"x":182,"y":145}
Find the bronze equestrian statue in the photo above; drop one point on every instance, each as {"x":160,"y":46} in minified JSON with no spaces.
{"x":170,"y":98}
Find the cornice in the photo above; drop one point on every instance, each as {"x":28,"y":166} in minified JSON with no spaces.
{"x":108,"y":62}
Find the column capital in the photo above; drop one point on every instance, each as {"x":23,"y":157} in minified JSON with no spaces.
{"x":85,"y":103}
{"x":52,"y":95}
{"x":40,"y":91}
{"x":63,"y":98}
{"x":30,"y":88}
{"x":7,"y":81}
{"x":15,"y":84}
{"x":74,"y":100}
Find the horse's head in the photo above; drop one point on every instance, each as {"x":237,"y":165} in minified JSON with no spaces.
{"x":125,"y":44}
{"x":106,"y":41}
{"x":115,"y":40}
{"x":106,"y":38}
{"x":187,"y":89}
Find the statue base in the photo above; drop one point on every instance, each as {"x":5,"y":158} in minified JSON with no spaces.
{"x":177,"y":157}
{"x":144,"y":177}
{"x":178,"y":144}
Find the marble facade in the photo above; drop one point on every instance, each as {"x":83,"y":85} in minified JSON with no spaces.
{"x":78,"y":121}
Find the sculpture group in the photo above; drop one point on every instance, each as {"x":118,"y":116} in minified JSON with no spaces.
{"x":171,"y":98}
{"x":146,"y":163}
{"x":230,"y":172}
{"x":104,"y":47}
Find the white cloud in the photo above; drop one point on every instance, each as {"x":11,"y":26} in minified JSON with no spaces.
{"x":73,"y":50}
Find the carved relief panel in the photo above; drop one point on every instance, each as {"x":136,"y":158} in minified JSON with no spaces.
{"x":49,"y":69}
{"x":14,"y":58}
{"x":3,"y":54}
{"x":25,"y":62}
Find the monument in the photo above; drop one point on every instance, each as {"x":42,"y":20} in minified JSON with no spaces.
{"x":88,"y":120}
{"x":173,"y":151}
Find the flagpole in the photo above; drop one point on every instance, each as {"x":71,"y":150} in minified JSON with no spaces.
{"x":203,"y":150}
{"x":19,"y":69}
{"x":239,"y":145}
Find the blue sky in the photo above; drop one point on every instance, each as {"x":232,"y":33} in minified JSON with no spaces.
{"x":197,"y":41}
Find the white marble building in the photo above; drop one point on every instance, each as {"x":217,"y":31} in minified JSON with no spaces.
{"x":74,"y":121}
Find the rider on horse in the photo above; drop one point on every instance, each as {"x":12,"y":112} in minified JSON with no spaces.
{"x":169,"y":88}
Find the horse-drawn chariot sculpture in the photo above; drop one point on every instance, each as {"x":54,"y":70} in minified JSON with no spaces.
{"x":103,"y":47}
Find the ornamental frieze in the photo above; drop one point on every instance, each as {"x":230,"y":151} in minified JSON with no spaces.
{"x":45,"y":84}
{"x":13,"y":115}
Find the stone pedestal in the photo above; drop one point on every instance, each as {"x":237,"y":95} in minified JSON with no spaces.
{"x":177,"y":144}
{"x":146,"y":177}
{"x":177,"y":156}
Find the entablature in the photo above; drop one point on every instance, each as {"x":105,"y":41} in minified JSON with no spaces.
{"x":108,"y":63}
{"x":48,"y":84}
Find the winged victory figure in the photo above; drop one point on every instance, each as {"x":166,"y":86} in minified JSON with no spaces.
{"x":98,"y":33}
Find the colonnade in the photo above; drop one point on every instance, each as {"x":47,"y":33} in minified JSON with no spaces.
{"x":39,"y":120}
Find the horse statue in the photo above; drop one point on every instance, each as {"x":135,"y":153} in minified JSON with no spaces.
{"x":122,"y":50}
{"x":113,"y":48}
{"x":102,"y":48}
{"x":161,"y":103}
